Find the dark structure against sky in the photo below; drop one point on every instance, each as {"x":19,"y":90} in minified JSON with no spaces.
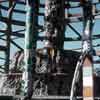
{"x":49,"y":69}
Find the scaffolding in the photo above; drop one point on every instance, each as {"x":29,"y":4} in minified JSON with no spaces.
{"x":38,"y":64}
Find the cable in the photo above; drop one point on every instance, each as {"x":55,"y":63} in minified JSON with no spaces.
{"x":76,"y":74}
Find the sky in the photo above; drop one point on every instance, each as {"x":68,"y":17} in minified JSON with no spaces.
{"x":68,"y":33}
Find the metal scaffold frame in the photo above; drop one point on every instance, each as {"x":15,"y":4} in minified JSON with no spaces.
{"x":87,"y":51}
{"x":56,"y":17}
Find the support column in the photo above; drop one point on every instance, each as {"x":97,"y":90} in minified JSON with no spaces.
{"x":87,"y":47}
{"x":54,"y":23}
{"x":54,"y":27}
{"x":9,"y":32}
{"x":30,"y":47}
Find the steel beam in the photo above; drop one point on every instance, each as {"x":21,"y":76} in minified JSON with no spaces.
{"x":54,"y":28}
{"x":30,"y":47}
{"x":9,"y":31}
{"x":2,"y":48}
{"x":54,"y":23}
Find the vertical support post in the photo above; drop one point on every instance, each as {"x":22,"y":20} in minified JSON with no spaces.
{"x":54,"y":23}
{"x":54,"y":26}
{"x":8,"y":39}
{"x":30,"y":47}
{"x":87,"y":47}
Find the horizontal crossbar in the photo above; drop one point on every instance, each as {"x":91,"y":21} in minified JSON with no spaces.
{"x":48,"y":97}
{"x":43,"y":97}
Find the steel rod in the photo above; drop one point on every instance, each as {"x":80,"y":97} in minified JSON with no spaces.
{"x":9,"y":31}
{"x":30,"y":47}
{"x":28,"y":50}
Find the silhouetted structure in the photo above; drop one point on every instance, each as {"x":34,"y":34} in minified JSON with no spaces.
{"x":50,"y":70}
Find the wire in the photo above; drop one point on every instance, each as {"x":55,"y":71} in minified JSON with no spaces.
{"x":76,"y":74}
